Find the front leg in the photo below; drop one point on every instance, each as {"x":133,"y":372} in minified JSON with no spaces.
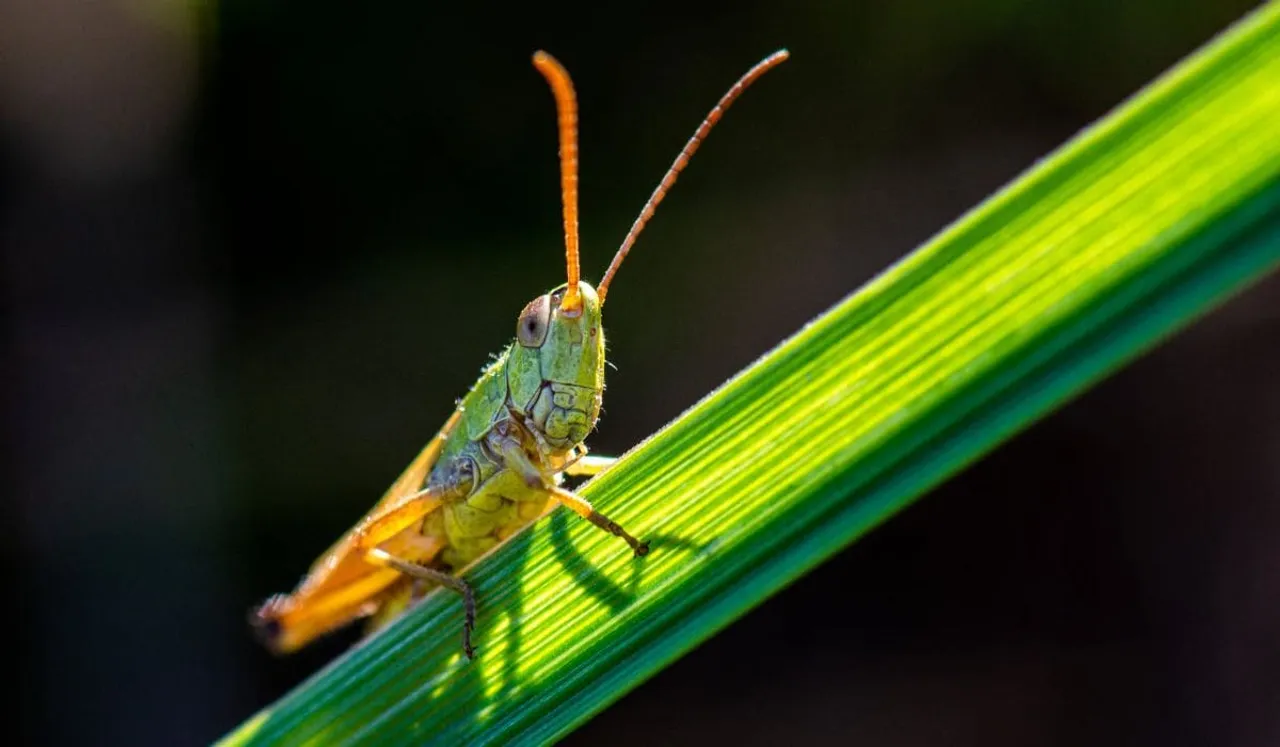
{"x":582,"y":507}
{"x":515,"y":458}
{"x":589,"y":466}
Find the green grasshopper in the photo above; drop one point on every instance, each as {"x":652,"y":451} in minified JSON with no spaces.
{"x":500,"y":459}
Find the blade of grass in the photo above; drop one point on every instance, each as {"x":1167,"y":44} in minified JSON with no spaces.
{"x":1128,"y":232}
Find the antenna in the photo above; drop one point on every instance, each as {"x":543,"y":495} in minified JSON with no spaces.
{"x":567,"y":117}
{"x":681,"y":161}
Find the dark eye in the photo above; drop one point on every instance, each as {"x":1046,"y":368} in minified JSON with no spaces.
{"x":531,"y":330}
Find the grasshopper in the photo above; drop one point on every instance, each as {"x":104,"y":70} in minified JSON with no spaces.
{"x":500,"y":460}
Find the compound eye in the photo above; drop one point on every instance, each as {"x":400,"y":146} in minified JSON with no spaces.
{"x":531,"y":330}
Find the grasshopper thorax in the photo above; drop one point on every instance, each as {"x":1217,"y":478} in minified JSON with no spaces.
{"x":555,"y":370}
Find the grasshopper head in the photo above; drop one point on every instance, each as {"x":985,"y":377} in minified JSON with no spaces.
{"x":568,"y":343}
{"x":555,"y":372}
{"x":556,"y":368}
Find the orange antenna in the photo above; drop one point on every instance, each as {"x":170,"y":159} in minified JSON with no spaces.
{"x":682,"y":160}
{"x":567,"y":116}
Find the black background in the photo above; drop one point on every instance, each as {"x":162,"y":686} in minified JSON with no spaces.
{"x":253,"y":254}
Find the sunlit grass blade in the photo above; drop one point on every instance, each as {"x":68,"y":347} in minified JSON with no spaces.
{"x":1125,"y":234}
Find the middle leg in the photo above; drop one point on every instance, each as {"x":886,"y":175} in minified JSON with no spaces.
{"x":378,"y":556}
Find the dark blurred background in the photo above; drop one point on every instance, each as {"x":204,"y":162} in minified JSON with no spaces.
{"x":252,"y":252}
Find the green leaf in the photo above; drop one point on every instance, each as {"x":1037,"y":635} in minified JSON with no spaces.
{"x":1124,"y":235}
